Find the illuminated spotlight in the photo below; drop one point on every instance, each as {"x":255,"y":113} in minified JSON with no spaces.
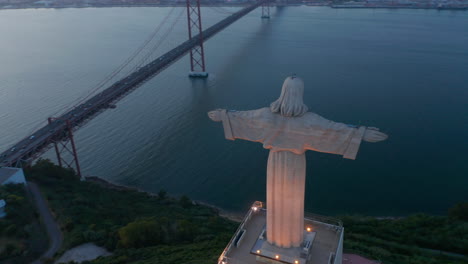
{"x":309,"y":229}
{"x":254,"y":208}
{"x":277,"y":257}
{"x":296,"y":262}
{"x":258,"y":251}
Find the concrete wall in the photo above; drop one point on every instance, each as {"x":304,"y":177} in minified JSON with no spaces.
{"x":18,"y":177}
{"x":339,"y":250}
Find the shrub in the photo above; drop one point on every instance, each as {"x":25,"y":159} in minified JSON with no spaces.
{"x":162,"y":194}
{"x":459,"y":211}
{"x":185,"y":202}
{"x":140,"y":233}
{"x":185,"y":231}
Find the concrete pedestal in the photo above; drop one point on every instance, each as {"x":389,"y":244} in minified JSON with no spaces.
{"x":271,"y":254}
{"x":198,"y":74}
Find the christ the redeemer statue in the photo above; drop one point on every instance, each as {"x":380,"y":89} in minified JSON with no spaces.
{"x":288,"y":130}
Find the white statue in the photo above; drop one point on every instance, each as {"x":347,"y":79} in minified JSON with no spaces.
{"x":288,"y":130}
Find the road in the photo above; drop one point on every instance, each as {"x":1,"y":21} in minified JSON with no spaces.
{"x":52,"y":228}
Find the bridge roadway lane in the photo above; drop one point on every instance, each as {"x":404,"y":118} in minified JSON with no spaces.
{"x":40,"y":141}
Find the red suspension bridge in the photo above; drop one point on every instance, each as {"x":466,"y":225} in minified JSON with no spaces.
{"x":58,"y":133}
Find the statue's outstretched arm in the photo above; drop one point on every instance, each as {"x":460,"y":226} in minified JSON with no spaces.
{"x":215,"y":115}
{"x":373,"y":135}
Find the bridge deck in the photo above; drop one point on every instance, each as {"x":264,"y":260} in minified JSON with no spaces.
{"x":34,"y":145}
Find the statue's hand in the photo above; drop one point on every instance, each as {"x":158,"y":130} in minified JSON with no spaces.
{"x":215,"y":115}
{"x":373,"y":135}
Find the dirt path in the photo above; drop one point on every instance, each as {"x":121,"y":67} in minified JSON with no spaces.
{"x":52,"y":228}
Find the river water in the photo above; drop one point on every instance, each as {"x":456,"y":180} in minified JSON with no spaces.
{"x":404,"y":71}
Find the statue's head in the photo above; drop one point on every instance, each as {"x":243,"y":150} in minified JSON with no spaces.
{"x":290,"y":102}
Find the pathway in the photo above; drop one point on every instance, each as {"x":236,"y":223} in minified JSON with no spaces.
{"x":52,"y":228}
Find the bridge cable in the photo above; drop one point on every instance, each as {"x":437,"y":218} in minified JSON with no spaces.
{"x":100,"y":84}
{"x":116,"y":71}
{"x":155,"y":47}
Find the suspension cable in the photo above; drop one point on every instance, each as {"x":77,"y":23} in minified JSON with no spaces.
{"x":116,"y":71}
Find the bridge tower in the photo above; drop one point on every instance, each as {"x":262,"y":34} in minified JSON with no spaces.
{"x":197,"y":54}
{"x":266,"y":9}
{"x":64,"y":143}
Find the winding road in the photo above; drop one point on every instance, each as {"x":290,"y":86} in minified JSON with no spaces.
{"x":52,"y":228}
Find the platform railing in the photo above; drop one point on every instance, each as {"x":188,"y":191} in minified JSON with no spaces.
{"x":324,"y":219}
{"x":222,"y":259}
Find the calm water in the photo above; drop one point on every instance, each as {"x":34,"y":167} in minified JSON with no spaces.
{"x":404,"y":71}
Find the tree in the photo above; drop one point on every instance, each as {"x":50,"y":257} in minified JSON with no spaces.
{"x":459,"y":211}
{"x":140,"y":233}
{"x":185,"y":230}
{"x":162,"y":194}
{"x":185,"y":202}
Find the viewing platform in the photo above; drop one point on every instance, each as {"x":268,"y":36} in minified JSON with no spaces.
{"x":323,"y":242}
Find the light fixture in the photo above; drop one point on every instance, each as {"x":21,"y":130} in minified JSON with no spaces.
{"x":277,"y":257}
{"x":296,"y":262}
{"x":309,"y":229}
{"x":258,"y":251}
{"x":254,"y":208}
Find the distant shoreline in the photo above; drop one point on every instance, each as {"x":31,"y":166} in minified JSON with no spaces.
{"x":236,"y":217}
{"x":231,"y":215}
{"x":336,"y":6}
{"x":12,"y":7}
{"x":399,"y":7}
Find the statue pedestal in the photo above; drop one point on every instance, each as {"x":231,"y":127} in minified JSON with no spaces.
{"x":322,"y":244}
{"x":271,"y":254}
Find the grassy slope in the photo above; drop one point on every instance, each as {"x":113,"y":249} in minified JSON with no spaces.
{"x":91,"y":213}
{"x":88,"y":212}
{"x":416,"y":239}
{"x":22,"y":238}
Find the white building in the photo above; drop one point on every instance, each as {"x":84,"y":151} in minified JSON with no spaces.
{"x":11,"y":175}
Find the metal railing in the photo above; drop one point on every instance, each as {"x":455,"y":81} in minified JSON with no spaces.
{"x":323,"y":219}
{"x":222,"y":259}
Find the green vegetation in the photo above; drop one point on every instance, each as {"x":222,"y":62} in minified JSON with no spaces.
{"x":459,"y":212}
{"x":142,"y":228}
{"x":417,"y":239}
{"x":22,"y":238}
{"x":135,"y":226}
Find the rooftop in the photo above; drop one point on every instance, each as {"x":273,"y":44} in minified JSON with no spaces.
{"x":247,"y":243}
{"x":6,"y":173}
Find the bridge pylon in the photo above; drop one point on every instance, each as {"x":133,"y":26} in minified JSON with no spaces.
{"x":66,"y":144}
{"x":197,"y":54}
{"x":266,"y":9}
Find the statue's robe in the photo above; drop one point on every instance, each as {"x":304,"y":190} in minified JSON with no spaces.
{"x":288,"y":138}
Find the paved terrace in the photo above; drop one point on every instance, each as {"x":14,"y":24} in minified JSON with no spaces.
{"x":325,"y":242}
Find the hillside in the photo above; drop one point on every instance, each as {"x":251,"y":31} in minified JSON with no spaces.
{"x":142,"y":228}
